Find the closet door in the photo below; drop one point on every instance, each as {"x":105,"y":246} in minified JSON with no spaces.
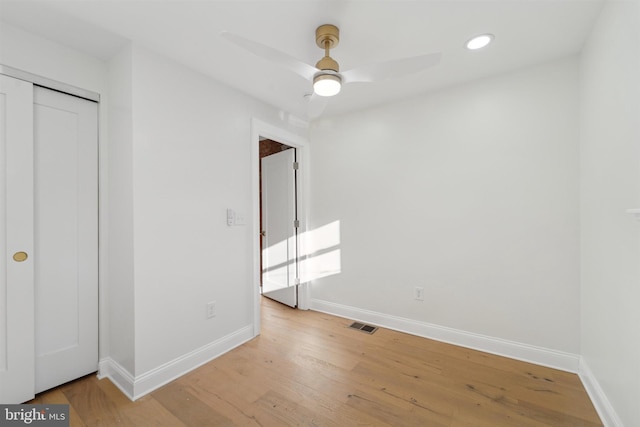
{"x":16,"y":241}
{"x":48,"y":239}
{"x":66,"y":237}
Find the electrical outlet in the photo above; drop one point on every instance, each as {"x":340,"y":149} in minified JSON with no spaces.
{"x":211,"y":309}
{"x":419,"y":293}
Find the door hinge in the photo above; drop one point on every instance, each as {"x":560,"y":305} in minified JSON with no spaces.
{"x":296,"y":166}
{"x":296,"y":223}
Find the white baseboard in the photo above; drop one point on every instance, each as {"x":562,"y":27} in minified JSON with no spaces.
{"x":608,"y":415}
{"x":134,"y":387}
{"x":122,"y":378}
{"x":528,"y":353}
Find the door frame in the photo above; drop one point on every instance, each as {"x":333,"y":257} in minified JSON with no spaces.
{"x":301,"y":144}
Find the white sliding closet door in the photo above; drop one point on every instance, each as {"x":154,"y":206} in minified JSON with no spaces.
{"x":48,"y":239}
{"x":66,"y":237}
{"x":16,"y":241}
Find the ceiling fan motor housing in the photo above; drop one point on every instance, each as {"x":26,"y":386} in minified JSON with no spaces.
{"x":327,"y":37}
{"x":327,"y":63}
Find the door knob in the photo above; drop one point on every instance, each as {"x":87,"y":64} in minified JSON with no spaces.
{"x":263,"y":233}
{"x":20,"y":256}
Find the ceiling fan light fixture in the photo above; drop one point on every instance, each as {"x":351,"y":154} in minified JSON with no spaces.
{"x":478,"y":42}
{"x":327,"y":84}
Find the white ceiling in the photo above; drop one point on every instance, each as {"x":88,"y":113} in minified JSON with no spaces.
{"x":527,"y":32}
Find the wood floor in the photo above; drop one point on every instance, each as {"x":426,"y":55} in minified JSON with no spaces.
{"x":310,"y":369}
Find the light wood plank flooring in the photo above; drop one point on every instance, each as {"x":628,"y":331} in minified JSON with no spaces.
{"x":310,"y":369}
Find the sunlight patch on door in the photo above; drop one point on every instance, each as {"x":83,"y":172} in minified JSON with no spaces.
{"x":277,"y":254}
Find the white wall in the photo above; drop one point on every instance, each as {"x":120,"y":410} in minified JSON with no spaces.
{"x":191,"y":161}
{"x":34,"y":54}
{"x":470,"y":193}
{"x":610,"y":184}
{"x":120,"y":289}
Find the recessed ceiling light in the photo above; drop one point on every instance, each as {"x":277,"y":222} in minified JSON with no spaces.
{"x":479,"y":42}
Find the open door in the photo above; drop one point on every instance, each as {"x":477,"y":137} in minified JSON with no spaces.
{"x":279,"y":227}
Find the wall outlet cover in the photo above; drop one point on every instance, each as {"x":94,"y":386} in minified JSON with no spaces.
{"x":211,"y":309}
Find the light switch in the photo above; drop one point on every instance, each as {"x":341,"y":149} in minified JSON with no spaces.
{"x":239,"y":219}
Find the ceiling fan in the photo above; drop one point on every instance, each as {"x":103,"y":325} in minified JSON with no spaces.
{"x":326,"y":76}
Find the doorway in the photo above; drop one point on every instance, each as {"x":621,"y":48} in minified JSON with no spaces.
{"x":279,"y":266}
{"x":297,"y":144}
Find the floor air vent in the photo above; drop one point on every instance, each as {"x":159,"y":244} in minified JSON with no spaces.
{"x":362,"y":327}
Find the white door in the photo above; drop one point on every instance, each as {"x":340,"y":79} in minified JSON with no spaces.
{"x":279,"y":242}
{"x":16,"y":241}
{"x":48,"y":230}
{"x":66,"y":237}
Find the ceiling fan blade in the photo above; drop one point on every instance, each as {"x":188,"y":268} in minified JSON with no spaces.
{"x":390,"y":69}
{"x":317,"y":105}
{"x":305,"y":70}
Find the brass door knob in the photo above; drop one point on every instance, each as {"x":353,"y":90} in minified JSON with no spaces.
{"x":20,"y":256}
